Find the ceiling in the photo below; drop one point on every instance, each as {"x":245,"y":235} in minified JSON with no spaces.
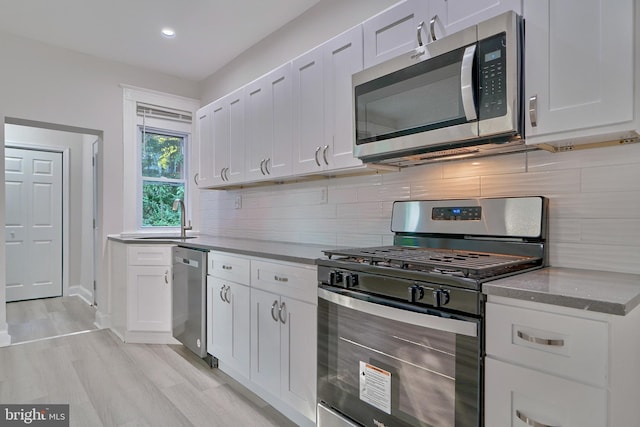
{"x":209,"y":33}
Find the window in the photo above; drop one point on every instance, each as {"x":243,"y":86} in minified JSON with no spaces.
{"x":162,"y":176}
{"x":157,"y":149}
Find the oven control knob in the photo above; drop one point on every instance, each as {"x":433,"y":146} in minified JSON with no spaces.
{"x":350,"y":280}
{"x":440,"y":297}
{"x":335,"y":278}
{"x":416,"y":293}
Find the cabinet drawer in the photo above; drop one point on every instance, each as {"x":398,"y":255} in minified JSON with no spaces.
{"x":295,"y":281}
{"x":229,"y":267}
{"x":568,"y":346}
{"x":514,"y":394}
{"x":148,"y":255}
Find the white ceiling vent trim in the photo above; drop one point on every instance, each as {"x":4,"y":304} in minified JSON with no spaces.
{"x":157,"y":112}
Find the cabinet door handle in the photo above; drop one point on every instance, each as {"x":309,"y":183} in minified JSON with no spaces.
{"x":195,"y":178}
{"x":316,"y":155}
{"x":541,"y":341}
{"x":226,"y":295}
{"x":324,"y":154}
{"x":273,"y":307}
{"x":226,"y":174}
{"x":266,"y":166}
{"x":533,"y":111}
{"x":530,"y":421}
{"x":221,"y":291}
{"x":432,"y":28}
{"x":283,"y":308}
{"x":420,"y":33}
{"x":262,"y":167}
{"x":281,"y":279}
{"x":166,"y":277}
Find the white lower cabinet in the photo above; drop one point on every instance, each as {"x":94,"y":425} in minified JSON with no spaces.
{"x":228,"y":320}
{"x":142,"y":284}
{"x":261,"y":325}
{"x":554,"y":366}
{"x":517,"y":396}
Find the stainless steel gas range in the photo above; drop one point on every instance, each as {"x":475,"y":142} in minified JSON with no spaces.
{"x":400,"y":328}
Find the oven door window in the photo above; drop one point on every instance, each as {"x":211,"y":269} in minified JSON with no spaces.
{"x":422,"y":97}
{"x":377,"y":370}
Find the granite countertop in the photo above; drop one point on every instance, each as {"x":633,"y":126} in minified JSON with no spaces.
{"x":282,"y":251}
{"x":598,"y":291}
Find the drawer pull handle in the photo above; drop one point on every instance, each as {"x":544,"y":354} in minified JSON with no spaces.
{"x":529,"y":421}
{"x":227,"y":267}
{"x":281,"y":279}
{"x":541,"y":341}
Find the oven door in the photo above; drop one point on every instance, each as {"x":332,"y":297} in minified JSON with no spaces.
{"x":383,"y":363}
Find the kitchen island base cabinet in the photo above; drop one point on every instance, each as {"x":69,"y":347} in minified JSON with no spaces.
{"x":142,"y":281}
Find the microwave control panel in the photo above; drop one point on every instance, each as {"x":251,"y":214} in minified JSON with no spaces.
{"x":492,"y":62}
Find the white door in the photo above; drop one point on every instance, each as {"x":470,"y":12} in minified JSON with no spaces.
{"x":33,"y":231}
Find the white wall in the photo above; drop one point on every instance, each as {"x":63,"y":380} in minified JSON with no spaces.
{"x":57,"y":86}
{"x":594,"y":207}
{"x":325,"y":20}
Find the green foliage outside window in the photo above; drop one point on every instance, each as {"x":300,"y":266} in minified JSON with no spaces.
{"x":162,"y":179}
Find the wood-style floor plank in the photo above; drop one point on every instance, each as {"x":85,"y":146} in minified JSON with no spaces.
{"x":109,"y":383}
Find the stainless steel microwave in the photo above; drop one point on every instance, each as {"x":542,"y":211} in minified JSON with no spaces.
{"x":457,"y":96}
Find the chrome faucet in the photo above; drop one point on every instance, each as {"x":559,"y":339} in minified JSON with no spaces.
{"x":183,"y":227}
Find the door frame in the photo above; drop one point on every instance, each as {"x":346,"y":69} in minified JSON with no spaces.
{"x":65,"y":201}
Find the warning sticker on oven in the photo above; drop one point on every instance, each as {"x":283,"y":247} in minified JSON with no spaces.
{"x":375,"y":387}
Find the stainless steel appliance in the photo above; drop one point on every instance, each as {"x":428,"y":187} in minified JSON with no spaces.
{"x":400,"y":328}
{"x":457,"y":96}
{"x":189,"y":299}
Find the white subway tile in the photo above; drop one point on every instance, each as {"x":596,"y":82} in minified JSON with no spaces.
{"x":531,"y":183}
{"x":498,"y":165}
{"x":452,"y":188}
{"x":595,"y":257}
{"x":611,"y":178}
{"x":564,"y":230}
{"x":623,"y":232}
{"x":359,"y":210}
{"x":387,"y":192}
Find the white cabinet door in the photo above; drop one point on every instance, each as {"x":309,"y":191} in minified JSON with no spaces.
{"x":342,"y":58}
{"x":514,"y":395}
{"x":204,"y":128}
{"x":450,"y":16}
{"x":235,"y":173}
{"x":298,"y":355}
{"x":265,"y":340}
{"x":308,"y":113}
{"x":220,"y":137}
{"x":149,"y":298}
{"x":218,"y":319}
{"x":579,"y":67}
{"x":228,"y":138}
{"x":238,"y":299}
{"x":268,"y":124}
{"x":393,"y":31}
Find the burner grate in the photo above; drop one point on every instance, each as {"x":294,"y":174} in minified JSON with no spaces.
{"x":449,"y":261}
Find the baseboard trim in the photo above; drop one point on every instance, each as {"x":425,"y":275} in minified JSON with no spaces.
{"x":82,"y":292}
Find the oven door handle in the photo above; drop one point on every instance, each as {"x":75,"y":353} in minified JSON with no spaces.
{"x":460,"y":327}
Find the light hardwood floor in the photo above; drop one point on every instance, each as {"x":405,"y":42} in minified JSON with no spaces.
{"x":109,"y":383}
{"x":48,"y":317}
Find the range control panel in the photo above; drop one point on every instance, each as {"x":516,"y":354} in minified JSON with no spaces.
{"x":468,"y":213}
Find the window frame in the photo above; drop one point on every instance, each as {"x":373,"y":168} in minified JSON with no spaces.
{"x":186,"y":137}
{"x":131,"y":156}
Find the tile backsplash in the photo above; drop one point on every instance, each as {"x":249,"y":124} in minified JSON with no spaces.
{"x":594,"y":203}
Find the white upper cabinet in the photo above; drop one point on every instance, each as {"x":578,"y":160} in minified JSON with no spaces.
{"x":204,"y":129}
{"x":308,"y":113}
{"x":450,"y":16}
{"x":342,"y":56}
{"x":579,"y":71}
{"x":268,"y":125}
{"x":228,"y":138}
{"x":393,"y":31}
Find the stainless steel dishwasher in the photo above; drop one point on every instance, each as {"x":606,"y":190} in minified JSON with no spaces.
{"x":189,"y":298}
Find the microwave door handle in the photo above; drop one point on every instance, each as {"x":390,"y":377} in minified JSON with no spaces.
{"x":466,"y":83}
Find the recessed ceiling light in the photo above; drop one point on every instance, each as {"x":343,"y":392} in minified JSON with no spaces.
{"x":168,"y":33}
